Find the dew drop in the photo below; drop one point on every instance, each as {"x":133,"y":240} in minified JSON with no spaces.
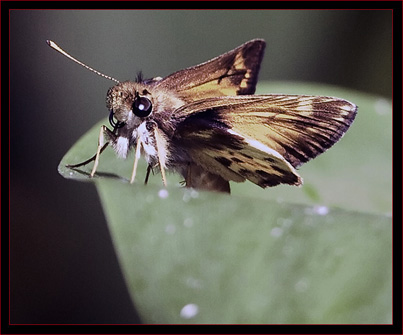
{"x":188,"y":222}
{"x":163,"y":194}
{"x":382,"y":106}
{"x":318,"y":210}
{"x":321,"y":210}
{"x":190,"y":194}
{"x":194,"y":194}
{"x":301,"y":285}
{"x":170,"y":229}
{"x":189,"y":311}
{"x":186,"y":197}
{"x":276,"y":232}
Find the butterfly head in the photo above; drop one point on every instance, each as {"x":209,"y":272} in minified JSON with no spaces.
{"x":129,"y":102}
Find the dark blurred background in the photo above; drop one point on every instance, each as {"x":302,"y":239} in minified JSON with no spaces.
{"x":63,"y":266}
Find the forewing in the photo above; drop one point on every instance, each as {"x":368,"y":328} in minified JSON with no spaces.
{"x":233,"y":73}
{"x":262,"y":138}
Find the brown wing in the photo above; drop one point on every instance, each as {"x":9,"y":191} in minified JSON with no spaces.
{"x":223,"y":153}
{"x":233,"y":73}
{"x":261,"y":138}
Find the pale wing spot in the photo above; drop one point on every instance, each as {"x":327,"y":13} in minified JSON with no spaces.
{"x":340,"y":119}
{"x":305,"y":104}
{"x":256,"y":144}
{"x":239,"y":64}
{"x":244,"y":84}
{"x":348,"y":108}
{"x":258,"y":166}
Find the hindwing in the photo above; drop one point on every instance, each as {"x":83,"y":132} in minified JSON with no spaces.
{"x":262,"y":138}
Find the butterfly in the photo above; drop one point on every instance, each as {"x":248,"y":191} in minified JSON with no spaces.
{"x":205,"y":123}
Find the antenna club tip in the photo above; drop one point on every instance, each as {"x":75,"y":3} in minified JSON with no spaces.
{"x":50,"y":43}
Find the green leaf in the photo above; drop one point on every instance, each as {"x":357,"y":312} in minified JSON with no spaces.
{"x":242,"y":260}
{"x":279,"y":255}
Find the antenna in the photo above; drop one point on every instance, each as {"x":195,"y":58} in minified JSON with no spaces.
{"x":53,"y":45}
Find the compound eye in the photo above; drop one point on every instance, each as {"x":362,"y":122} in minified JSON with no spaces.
{"x":142,"y":107}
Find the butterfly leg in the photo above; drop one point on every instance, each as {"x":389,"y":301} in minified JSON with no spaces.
{"x":89,"y":160}
{"x":164,"y":179}
{"x":101,"y":146}
{"x":136,"y":159}
{"x":160,"y":145}
{"x":149,"y":169}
